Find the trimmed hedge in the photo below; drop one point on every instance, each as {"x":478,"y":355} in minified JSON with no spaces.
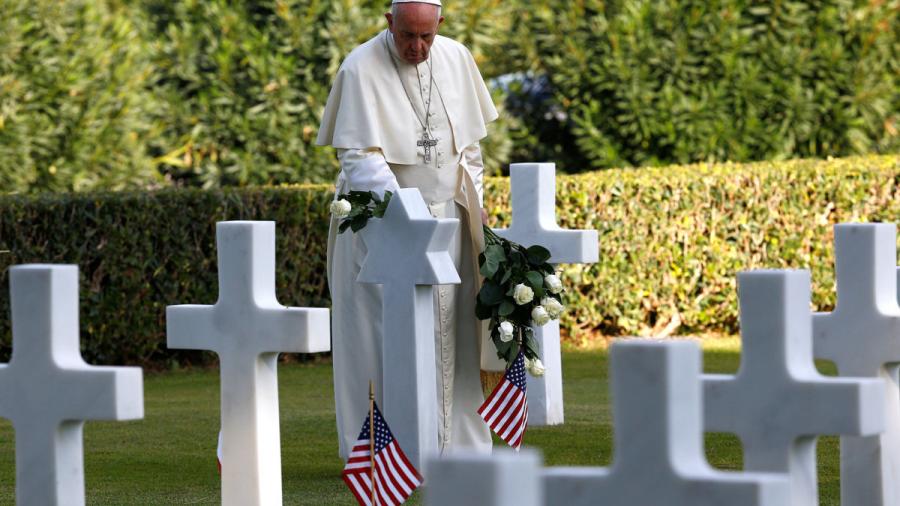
{"x":671,"y":243}
{"x":139,"y":252}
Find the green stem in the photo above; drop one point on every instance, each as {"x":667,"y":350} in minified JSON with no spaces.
{"x":490,"y":237}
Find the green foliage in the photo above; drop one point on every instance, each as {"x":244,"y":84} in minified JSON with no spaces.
{"x":650,"y":82}
{"x":75,"y":108}
{"x":672,"y":241}
{"x":110,"y":95}
{"x":139,"y":252}
{"x":243,"y":85}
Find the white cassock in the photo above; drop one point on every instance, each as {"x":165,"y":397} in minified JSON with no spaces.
{"x":375,"y":126}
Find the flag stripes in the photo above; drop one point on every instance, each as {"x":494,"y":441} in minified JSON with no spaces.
{"x":506,"y":409}
{"x":395,"y":477}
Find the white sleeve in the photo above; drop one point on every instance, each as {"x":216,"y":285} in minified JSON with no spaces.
{"x":476,"y":168}
{"x":367,"y":170}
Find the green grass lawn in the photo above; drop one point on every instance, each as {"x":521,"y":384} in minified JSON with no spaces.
{"x":169,"y":457}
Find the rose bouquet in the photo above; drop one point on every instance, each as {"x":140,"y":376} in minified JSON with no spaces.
{"x":521,"y":289}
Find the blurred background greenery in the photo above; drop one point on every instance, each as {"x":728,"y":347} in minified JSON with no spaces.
{"x":115,"y":94}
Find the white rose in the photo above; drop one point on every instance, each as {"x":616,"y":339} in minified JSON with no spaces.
{"x":553,"y":307}
{"x":536,"y":367}
{"x":341,"y":208}
{"x":540,"y":316}
{"x":523,"y":294}
{"x":506,"y":331}
{"x":553,"y":283}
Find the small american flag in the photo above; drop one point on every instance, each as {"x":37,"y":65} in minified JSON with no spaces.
{"x":506,"y":409}
{"x":395,"y":477}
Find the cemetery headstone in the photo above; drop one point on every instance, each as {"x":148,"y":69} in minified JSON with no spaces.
{"x":48,"y":391}
{"x":658,"y":441}
{"x":533,"y":188}
{"x":407,"y":253}
{"x":778,"y":403}
{"x":505,"y":478}
{"x":248,"y":328}
{"x":862,"y":337}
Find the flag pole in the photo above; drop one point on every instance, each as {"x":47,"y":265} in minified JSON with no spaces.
{"x":372,"y":438}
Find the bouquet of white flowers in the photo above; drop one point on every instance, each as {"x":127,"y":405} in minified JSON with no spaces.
{"x":520,"y":289}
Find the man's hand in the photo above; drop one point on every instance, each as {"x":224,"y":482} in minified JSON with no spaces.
{"x":484,"y":217}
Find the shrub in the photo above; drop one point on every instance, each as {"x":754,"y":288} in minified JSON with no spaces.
{"x":139,"y":252}
{"x":671,"y":243}
{"x":673,"y":239}
{"x":75,"y":110}
{"x":650,"y":82}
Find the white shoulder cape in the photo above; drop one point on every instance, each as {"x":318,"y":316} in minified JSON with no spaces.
{"x":367,"y":107}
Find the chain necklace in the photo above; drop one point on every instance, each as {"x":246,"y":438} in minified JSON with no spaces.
{"x":427,"y":141}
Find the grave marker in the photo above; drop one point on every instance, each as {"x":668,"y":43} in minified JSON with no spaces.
{"x":505,"y":478}
{"x":658,"y":430}
{"x":778,"y":403}
{"x":248,"y":328}
{"x":407,"y":253}
{"x":533,"y":188}
{"x":48,"y":391}
{"x":862,"y":337}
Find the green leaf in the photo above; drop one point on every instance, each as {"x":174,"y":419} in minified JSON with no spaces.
{"x":532,"y":348}
{"x":482,"y":311}
{"x":358,"y":223}
{"x":380,"y":209}
{"x":538,"y":255}
{"x":506,"y":308}
{"x":496,"y":253}
{"x":536,"y":281}
{"x":489,"y":267}
{"x":494,"y":257}
{"x":491,"y":293}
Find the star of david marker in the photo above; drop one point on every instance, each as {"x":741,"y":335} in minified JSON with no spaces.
{"x":778,"y":403}
{"x":407,"y":253}
{"x":534,"y":222}
{"x":47,"y":389}
{"x":862,"y":337}
{"x":658,"y":431}
{"x":248,"y":328}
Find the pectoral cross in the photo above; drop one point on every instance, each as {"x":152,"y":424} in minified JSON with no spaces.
{"x":429,"y":143}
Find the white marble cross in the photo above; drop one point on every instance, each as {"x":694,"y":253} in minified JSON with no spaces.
{"x":533,"y":199}
{"x":248,"y":328}
{"x":658,"y":430}
{"x":407,"y":253}
{"x":48,"y":391}
{"x":778,"y":403}
{"x":505,"y":478}
{"x":862,"y":337}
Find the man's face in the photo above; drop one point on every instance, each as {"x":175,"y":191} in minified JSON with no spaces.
{"x":414,"y":28}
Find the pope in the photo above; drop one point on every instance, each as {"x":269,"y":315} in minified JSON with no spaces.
{"x":407,"y":110}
